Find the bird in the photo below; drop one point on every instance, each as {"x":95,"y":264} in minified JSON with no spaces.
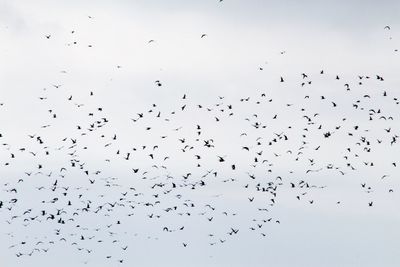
{"x":175,"y":161}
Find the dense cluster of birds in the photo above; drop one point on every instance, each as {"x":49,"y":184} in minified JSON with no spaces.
{"x":88,"y":186}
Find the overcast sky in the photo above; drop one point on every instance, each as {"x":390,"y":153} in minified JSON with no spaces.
{"x":103,"y":47}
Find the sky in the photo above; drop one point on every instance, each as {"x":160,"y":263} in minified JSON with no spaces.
{"x":104,"y":47}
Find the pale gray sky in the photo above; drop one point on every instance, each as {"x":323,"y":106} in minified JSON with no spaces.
{"x":284,"y":39}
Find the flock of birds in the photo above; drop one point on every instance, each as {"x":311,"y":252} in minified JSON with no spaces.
{"x":184,"y":168}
